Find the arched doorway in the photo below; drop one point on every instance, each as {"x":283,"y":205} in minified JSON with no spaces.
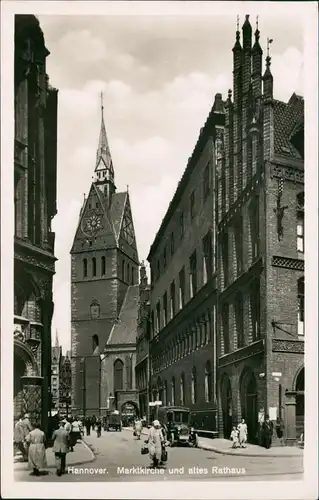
{"x":300,"y":402}
{"x":129,"y":411}
{"x":19,"y":371}
{"x":249,"y":408}
{"x":227,"y":406}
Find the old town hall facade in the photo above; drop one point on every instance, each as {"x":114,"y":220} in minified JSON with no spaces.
{"x":104,"y":295}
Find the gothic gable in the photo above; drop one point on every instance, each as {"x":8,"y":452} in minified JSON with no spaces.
{"x":127,"y":228}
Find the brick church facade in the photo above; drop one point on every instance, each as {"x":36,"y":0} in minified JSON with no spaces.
{"x":35,"y":149}
{"x":104,"y":295}
{"x":260,"y":189}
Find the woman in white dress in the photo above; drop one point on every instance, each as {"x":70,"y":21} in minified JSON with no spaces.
{"x":36,"y":456}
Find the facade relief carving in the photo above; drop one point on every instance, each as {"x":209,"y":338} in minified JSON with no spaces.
{"x":293,"y":346}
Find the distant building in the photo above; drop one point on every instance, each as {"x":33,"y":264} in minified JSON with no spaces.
{"x":56,"y":362}
{"x":65,"y":385}
{"x":142,"y":368}
{"x":35,"y":157}
{"x":184,"y":287}
{"x":104,"y":296}
{"x":260,"y":186}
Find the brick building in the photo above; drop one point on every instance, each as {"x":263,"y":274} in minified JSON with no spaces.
{"x":35,"y":149}
{"x":104,"y":295}
{"x":56,"y":365}
{"x":184,"y":287}
{"x":260,"y":185}
{"x":142,"y":368}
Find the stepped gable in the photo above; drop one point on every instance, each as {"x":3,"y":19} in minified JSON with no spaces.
{"x":124,"y":330}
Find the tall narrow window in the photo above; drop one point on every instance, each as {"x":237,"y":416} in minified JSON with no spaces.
{"x":165,"y":257}
{"x":153,"y":323}
{"x":128,"y":273}
{"x":238,"y":228}
{"x":123,"y":270}
{"x":165,"y":309}
{"x":165,"y":394}
{"x":239,"y":320}
{"x":85,"y":268}
{"x":254,"y":227}
{"x":94,"y":266}
{"x":182,"y":389}
{"x":254,"y":154}
{"x":158,"y":269}
{"x":181,"y":225}
{"x":118,"y":375}
{"x":300,"y":222}
{"x":206,"y":185}
{"x":192,"y":205}
{"x":103,"y":266}
{"x":133,"y":276}
{"x":208,"y":382}
{"x":172,"y":300}
{"x":225,"y":257}
{"x":255,"y":308}
{"x":182,"y":288}
{"x":172,"y":244}
{"x":158,"y":317}
{"x":193,"y":274}
{"x":173,"y":391}
{"x":95,"y":344}
{"x":207,"y":257}
{"x":194,"y":386}
{"x":301,"y":306}
{"x":225,"y":322}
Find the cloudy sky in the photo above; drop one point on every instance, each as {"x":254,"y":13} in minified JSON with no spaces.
{"x":159,"y":75}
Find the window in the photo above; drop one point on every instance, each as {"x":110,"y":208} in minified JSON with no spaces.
{"x":172,"y":244}
{"x":182,"y":388}
{"x":164,"y":258}
{"x":207,"y":257}
{"x":208,"y":382}
{"x":94,"y":266}
{"x":192,"y":205}
{"x":255,"y":308}
{"x":300,"y":222}
{"x":103,"y":266}
{"x":194,"y":386}
{"x":239,"y":320}
{"x":172,"y":299}
{"x":85,"y":268}
{"x":238,"y":228}
{"x":158,"y":317}
{"x":193,"y":274}
{"x":301,"y":306}
{"x":95,"y":344}
{"x":123,"y":270}
{"x":206,"y":185}
{"x":173,"y":391}
{"x":254,"y":226}
{"x":165,"y":309}
{"x":158,"y":270}
{"x":128,"y":273}
{"x":153,"y":323}
{"x":225,"y":257}
{"x":182,"y":288}
{"x":133,"y":276}
{"x":118,"y":375}
{"x":181,"y":225}
{"x":225,"y":323}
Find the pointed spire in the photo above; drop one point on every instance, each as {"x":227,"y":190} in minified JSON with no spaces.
{"x":257,"y":48}
{"x":237,"y":46}
{"x":268,"y":78}
{"x":56,"y":338}
{"x":247,"y":33}
{"x":103,"y":151}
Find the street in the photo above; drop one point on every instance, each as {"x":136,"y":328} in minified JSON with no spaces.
{"x":118,"y":458}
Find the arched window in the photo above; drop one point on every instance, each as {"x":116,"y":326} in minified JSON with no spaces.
{"x":239,"y":320}
{"x":194,"y":386}
{"x":300,"y":222}
{"x":118,"y":375}
{"x":173,"y":391}
{"x":225,"y":323}
{"x":128,"y":274}
{"x":94,"y":266}
{"x":103,"y":267}
{"x":133,"y":276}
{"x":85,"y":268}
{"x":165,"y":393}
{"x":301,"y":306}
{"x":95,"y":344}
{"x":208,"y":382}
{"x":182,"y":389}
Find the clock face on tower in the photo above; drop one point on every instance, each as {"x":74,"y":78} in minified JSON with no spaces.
{"x":92,"y":223}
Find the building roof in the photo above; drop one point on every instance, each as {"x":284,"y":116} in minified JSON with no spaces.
{"x":56,"y":353}
{"x":288,"y":120}
{"x":124,"y":330}
{"x":117,"y":211}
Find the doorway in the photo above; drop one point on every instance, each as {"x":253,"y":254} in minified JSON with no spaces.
{"x":249,"y":406}
{"x":227,"y":405}
{"x":300,"y":403}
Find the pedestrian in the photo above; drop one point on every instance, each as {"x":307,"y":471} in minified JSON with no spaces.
{"x":60,"y":447}
{"x":88,"y":426}
{"x":75,"y":433}
{"x":280,"y":430}
{"x":36,"y":455}
{"x":138,"y":428}
{"x":19,"y":436}
{"x":267,"y":432}
{"x":234,"y":437}
{"x":155,"y":443}
{"x":98,"y":428}
{"x":243,"y":433}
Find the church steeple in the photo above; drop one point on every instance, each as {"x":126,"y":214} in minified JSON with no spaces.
{"x":56,"y":339}
{"x":104,"y":171}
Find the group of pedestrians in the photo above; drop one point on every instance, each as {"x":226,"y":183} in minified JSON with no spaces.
{"x":92,"y":423}
{"x":239,"y":434}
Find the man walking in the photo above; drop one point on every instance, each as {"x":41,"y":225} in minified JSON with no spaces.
{"x":19,"y":436}
{"x":60,"y":448}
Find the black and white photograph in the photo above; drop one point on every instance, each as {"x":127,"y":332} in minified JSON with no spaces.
{"x":159,"y":274}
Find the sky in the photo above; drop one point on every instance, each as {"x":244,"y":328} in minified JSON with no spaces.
{"x":159,"y":76}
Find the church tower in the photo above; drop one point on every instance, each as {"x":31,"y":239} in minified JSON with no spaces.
{"x":104,"y":266}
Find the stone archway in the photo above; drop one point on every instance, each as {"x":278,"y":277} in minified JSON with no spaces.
{"x":129,"y":410}
{"x":300,"y":402}
{"x":27,"y":383}
{"x":249,"y":408}
{"x":227,"y":405}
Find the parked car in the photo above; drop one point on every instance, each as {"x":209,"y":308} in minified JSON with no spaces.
{"x":113,"y":421}
{"x":176,"y":423}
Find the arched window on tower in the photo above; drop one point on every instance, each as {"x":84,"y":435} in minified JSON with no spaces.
{"x":208,"y":382}
{"x":94,"y":266}
{"x":85,"y":268}
{"x":95,"y":344}
{"x":118,"y":375}
{"x":301,"y":306}
{"x":103,"y":267}
{"x":128,"y":274}
{"x":194,"y":386}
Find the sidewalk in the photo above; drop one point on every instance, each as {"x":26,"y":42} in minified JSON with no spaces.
{"x":223,"y":446}
{"x":82,"y":454}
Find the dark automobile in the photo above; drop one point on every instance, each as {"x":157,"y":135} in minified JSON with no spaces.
{"x":176,"y":423}
{"x":113,"y":421}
